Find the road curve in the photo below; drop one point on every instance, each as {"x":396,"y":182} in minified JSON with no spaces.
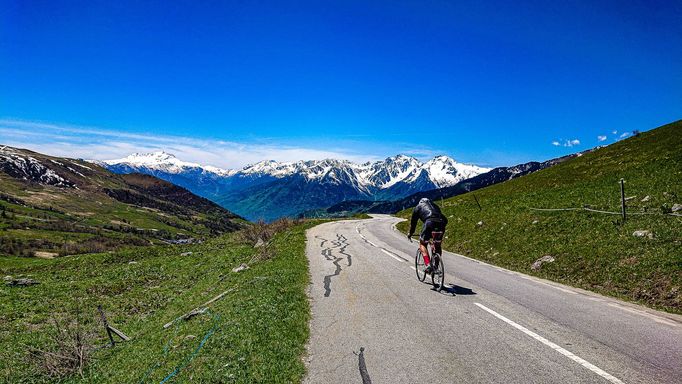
{"x":372,"y":321}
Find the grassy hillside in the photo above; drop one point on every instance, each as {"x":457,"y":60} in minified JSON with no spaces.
{"x":53,"y":206}
{"x":254,"y":333}
{"x":592,"y":251}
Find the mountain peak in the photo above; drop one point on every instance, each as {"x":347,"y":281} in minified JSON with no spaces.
{"x":444,"y":158}
{"x":144,"y":158}
{"x":401,"y":157}
{"x":159,"y":160}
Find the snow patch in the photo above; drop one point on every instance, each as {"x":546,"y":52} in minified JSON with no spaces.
{"x":30,"y":168}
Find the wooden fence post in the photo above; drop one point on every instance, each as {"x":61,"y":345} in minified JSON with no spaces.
{"x":106,"y":324}
{"x":622,"y":198}
{"x":477,"y":203}
{"x":111,"y":331}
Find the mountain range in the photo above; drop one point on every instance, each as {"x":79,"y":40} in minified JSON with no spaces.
{"x":56,"y":206}
{"x":269,"y":189}
{"x":494,"y":176}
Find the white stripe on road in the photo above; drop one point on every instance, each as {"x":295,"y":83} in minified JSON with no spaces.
{"x":645,"y":314}
{"x":392,"y":255}
{"x":368,"y":242}
{"x":555,"y":347}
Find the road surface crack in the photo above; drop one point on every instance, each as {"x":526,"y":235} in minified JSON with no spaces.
{"x":323,"y":240}
{"x":340,"y":244}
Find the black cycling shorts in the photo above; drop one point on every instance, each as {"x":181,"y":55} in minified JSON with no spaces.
{"x":431,"y":226}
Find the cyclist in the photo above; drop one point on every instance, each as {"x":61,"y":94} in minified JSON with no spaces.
{"x":434,"y":221}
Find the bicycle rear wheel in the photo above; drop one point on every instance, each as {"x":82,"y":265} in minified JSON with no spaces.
{"x":419,"y":265}
{"x":438,"y":275}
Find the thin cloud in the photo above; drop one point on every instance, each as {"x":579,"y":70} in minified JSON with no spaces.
{"x":615,"y":132}
{"x":624,"y":135}
{"x":566,"y":143}
{"x":101,"y":144}
{"x":601,"y":138}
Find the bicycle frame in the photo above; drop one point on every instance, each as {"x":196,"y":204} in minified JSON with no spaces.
{"x":433,"y":243}
{"x":434,"y":260}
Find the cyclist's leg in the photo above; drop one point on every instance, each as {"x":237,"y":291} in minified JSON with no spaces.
{"x":425,"y":252}
{"x":438,"y":244}
{"x":424,"y":240}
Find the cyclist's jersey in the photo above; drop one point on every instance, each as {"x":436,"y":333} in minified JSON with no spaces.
{"x":426,"y":211}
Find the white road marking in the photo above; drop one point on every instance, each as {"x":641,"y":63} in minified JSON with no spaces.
{"x":521,"y":275}
{"x":645,"y":314}
{"x":368,"y":242}
{"x":555,"y":347}
{"x":392,"y":255}
{"x":550,"y":285}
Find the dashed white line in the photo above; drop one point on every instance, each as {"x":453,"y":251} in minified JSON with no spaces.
{"x":368,"y":241}
{"x":392,"y":255}
{"x":555,"y":347}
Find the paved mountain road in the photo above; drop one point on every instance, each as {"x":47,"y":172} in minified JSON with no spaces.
{"x":492,"y":326}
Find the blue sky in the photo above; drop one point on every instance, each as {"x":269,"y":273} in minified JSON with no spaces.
{"x":228,"y":83}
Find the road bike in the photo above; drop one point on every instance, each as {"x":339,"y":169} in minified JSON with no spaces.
{"x":435,"y":261}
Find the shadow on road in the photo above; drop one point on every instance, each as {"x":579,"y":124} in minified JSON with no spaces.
{"x":457,"y":290}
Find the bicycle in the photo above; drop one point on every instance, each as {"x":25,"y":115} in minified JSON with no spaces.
{"x":435,"y":261}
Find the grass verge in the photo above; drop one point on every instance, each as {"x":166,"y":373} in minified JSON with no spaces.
{"x":254,"y":333}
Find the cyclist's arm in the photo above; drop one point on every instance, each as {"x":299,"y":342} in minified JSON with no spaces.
{"x":414,"y":221}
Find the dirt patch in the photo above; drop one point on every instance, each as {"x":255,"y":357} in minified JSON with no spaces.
{"x":629,"y":261}
{"x":45,"y":255}
{"x":40,"y":197}
{"x":86,"y":214}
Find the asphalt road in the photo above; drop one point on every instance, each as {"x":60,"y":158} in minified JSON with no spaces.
{"x":490,"y":326}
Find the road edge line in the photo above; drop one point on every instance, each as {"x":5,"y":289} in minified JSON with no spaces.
{"x":565,"y":352}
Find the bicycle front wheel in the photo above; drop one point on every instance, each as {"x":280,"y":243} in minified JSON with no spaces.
{"x":419,"y":265}
{"x":438,"y":275}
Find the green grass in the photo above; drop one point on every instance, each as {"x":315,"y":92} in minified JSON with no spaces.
{"x":259,"y":328}
{"x":592,"y":251}
{"x":55,"y":236}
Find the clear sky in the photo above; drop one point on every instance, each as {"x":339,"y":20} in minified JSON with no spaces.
{"x":232,"y":82}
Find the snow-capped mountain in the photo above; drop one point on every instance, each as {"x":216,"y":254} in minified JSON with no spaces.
{"x":28,"y":168}
{"x":271,"y":189}
{"x":163,"y":162}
